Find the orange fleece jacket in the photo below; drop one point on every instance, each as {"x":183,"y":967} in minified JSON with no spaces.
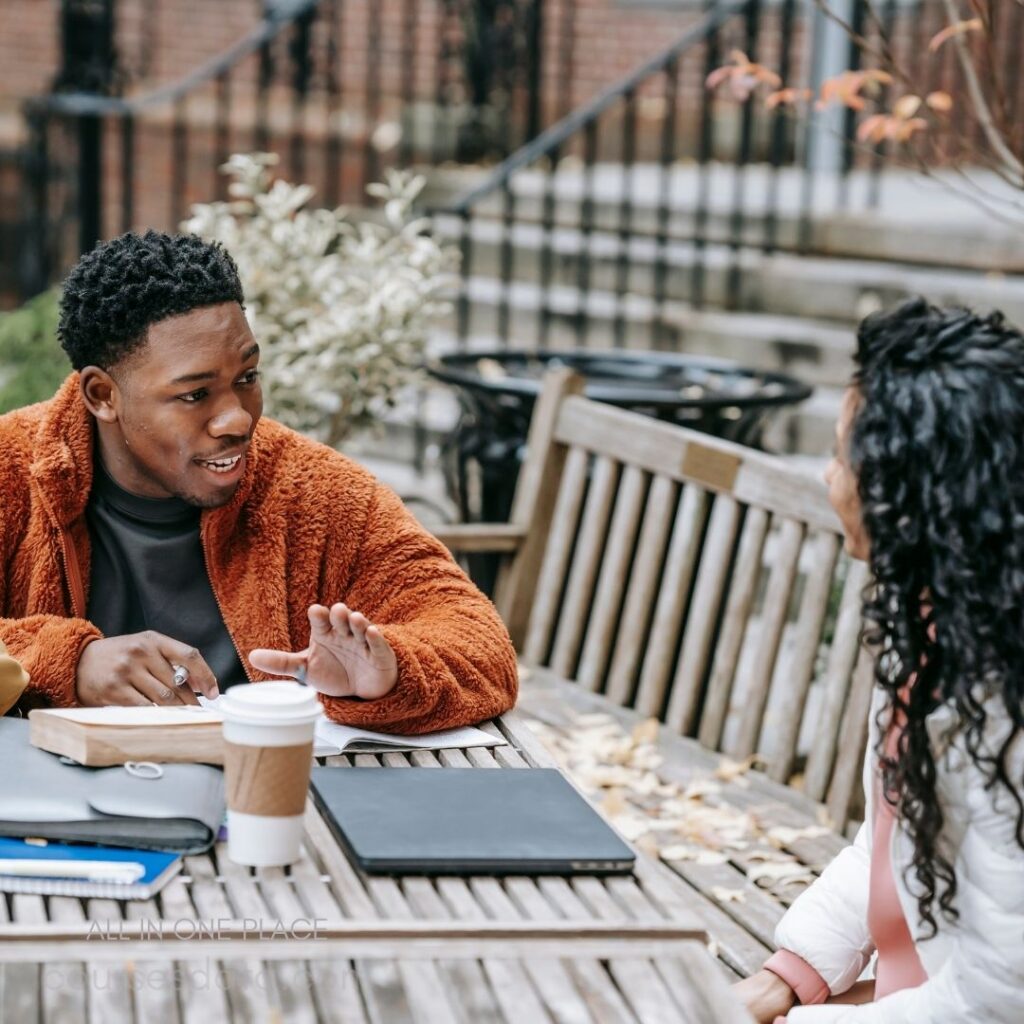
{"x":305,"y":526}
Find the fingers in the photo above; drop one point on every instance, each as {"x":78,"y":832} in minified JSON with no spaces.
{"x":156,"y":680}
{"x":128,"y":696}
{"x":379,"y":647}
{"x":358,"y":623}
{"x":340,"y":620}
{"x":319,"y":620}
{"x":156,"y":691}
{"x":200,"y":675}
{"x":277,"y":663}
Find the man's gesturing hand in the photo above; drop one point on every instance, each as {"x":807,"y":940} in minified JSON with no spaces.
{"x":346,"y":657}
{"x":139,"y":669}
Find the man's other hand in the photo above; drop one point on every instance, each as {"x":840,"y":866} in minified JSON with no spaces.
{"x":347,"y":656}
{"x":139,"y":669}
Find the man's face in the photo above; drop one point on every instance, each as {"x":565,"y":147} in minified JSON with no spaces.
{"x":842,"y":482}
{"x":183,"y":407}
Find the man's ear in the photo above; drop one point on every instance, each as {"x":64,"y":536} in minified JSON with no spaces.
{"x":100,"y":393}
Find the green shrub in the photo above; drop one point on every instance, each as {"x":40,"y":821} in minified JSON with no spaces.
{"x":32,"y":363}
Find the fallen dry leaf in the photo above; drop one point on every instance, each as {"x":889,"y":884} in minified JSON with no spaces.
{"x":782,"y":835}
{"x":647,"y":757}
{"x":614,"y":803}
{"x":646,"y":732}
{"x":649,"y":845}
{"x":724,"y":895}
{"x":779,"y":873}
{"x":630,"y":826}
{"x":729,"y":770}
{"x":710,"y":858}
{"x":769,"y":853}
{"x":700,"y":789}
{"x":705,"y":858}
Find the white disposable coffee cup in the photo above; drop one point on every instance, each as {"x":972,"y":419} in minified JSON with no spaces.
{"x":268,"y":753}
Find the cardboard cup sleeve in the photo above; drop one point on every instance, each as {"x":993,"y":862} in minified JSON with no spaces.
{"x":269,"y":781}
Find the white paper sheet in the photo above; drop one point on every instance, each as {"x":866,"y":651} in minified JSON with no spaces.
{"x":332,"y":738}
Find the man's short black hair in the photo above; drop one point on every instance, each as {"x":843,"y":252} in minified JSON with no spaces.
{"x":113,"y":294}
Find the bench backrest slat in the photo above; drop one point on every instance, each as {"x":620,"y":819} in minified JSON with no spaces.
{"x":642,"y":588}
{"x":672,"y":603}
{"x":694,"y":580}
{"x":842,"y":659}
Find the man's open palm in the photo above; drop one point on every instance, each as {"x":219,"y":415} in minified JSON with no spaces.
{"x":346,"y":656}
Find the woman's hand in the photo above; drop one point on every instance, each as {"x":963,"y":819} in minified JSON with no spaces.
{"x":765,"y":995}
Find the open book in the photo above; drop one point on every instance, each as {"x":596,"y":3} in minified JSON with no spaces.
{"x":332,"y":738}
{"x":113,"y":735}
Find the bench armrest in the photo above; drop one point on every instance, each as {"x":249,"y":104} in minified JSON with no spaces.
{"x":479,"y":537}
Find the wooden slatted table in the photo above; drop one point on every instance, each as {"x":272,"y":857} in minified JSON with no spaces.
{"x":322,"y":941}
{"x":785,"y":827}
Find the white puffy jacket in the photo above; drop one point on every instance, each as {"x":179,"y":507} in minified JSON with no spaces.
{"x":975,"y":966}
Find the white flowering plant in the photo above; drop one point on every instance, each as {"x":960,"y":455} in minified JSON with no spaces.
{"x":341,"y":308}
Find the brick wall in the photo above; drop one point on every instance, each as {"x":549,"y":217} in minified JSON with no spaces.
{"x":159,"y":40}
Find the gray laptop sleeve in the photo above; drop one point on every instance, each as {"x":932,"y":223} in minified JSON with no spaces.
{"x":40,"y":795}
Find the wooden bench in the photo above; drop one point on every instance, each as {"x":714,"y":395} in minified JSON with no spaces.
{"x":652,"y":571}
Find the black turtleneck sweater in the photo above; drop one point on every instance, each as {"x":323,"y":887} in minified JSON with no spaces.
{"x":148,"y":572}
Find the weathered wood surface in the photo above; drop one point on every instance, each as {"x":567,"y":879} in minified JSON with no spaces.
{"x":338,"y":945}
{"x":691,"y":579}
{"x":785,"y":826}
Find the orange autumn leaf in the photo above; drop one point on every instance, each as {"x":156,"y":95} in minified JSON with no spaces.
{"x":742,"y":76}
{"x":957,"y":29}
{"x":879,"y":127}
{"x":847,"y":88}
{"x":939,"y":101}
{"x":909,"y":128}
{"x":787,"y":97}
{"x":718,"y":76}
{"x":873,"y":129}
{"x":906,"y":107}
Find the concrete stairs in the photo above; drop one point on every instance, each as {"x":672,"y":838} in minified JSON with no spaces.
{"x":794,"y":313}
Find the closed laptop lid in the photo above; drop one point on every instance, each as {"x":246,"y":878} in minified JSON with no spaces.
{"x":467,"y":821}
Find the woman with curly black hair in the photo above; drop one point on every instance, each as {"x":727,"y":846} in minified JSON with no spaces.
{"x":928,"y":481}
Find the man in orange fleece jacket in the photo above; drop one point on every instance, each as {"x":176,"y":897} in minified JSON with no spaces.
{"x":158,"y":537}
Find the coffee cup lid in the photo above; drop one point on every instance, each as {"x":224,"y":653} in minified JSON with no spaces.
{"x":284,"y":703}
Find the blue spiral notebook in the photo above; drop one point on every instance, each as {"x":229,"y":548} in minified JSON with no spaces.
{"x":59,"y":868}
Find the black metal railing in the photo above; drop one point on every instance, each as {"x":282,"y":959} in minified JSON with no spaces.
{"x":654,"y":198}
{"x":339,"y":89}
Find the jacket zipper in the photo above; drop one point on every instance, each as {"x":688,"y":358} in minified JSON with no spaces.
{"x":72,"y":574}
{"x":220,"y":607}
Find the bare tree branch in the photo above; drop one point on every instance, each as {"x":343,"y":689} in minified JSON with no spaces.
{"x":981,"y":107}
{"x":885,"y":57}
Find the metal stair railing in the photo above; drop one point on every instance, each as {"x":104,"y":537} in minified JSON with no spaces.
{"x":339,"y":89}
{"x":658,"y":195}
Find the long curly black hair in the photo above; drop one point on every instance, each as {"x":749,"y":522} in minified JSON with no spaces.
{"x":116,"y":291}
{"x":937,"y":445}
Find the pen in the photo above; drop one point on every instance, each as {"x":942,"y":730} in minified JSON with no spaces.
{"x":126,"y":871}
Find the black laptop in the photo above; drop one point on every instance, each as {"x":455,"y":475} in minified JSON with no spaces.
{"x":462,"y":821}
